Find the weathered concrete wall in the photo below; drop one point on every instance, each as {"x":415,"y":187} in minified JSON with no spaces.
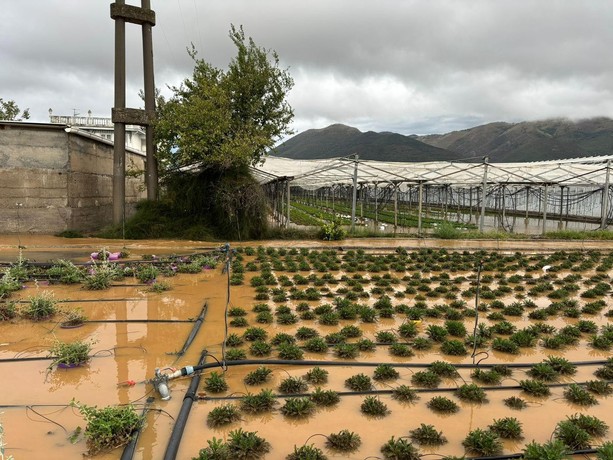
{"x":52,"y":180}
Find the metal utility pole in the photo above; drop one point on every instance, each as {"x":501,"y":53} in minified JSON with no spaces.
{"x":605,"y":199}
{"x":145,"y":17}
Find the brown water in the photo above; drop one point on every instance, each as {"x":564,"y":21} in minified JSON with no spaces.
{"x":42,"y":421}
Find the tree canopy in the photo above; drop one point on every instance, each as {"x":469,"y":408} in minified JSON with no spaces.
{"x":225,"y":119}
{"x":9,"y":110}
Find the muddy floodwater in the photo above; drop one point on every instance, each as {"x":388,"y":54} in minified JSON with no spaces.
{"x":134,"y":331}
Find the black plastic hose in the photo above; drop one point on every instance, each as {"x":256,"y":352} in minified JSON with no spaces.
{"x":128,"y":451}
{"x":188,"y":400}
{"x":194,"y":331}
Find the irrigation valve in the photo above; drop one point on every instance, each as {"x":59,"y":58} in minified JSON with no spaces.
{"x":160,"y":381}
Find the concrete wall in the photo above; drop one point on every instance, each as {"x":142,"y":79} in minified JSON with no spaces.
{"x":53,"y":180}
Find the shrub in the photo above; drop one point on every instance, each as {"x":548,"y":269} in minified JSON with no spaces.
{"x":593,"y":425}
{"x":69,"y":353}
{"x":573,"y":436}
{"x":41,"y":307}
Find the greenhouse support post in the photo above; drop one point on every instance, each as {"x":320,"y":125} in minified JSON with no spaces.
{"x":483,"y":194}
{"x":419,"y":207}
{"x":545,"y":192}
{"x":355,"y":193}
{"x":605,"y":199}
{"x":288,"y":204}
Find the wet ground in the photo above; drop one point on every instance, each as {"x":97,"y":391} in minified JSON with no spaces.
{"x":38,"y":419}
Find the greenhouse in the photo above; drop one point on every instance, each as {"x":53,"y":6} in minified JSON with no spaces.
{"x":483,"y":195}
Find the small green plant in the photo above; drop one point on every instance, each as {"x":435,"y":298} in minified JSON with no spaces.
{"x":544,"y":372}
{"x":599,"y":387}
{"x":260,"y":348}
{"x":298,"y":407}
{"x":264,"y":401}
{"x":427,"y":379}
{"x":41,"y":307}
{"x":293,"y":385}
{"x":305,"y":452}
{"x":359,"y":382}
{"x":579,"y":395}
{"x":535,"y":387}
{"x":109,"y":427}
{"x":346,"y":350}
{"x":482,"y":442}
{"x":331,"y":231}
{"x":8,"y":311}
{"x":246,"y":444}
{"x":344,"y":441}
{"x":443,"y":369}
{"x":573,"y":436}
{"x":258,"y":376}
{"x":74,"y":317}
{"x":100,"y":277}
{"x":236,"y":354}
{"x":507,"y":428}
{"x":147,"y":273}
{"x":317,"y":376}
{"x":65,"y":272}
{"x":159,"y":286}
{"x":472,"y":393}
{"x":561,"y":365}
{"x":374,"y":407}
{"x":385,"y":372}
{"x":604,"y":452}
{"x":316,"y":345}
{"x":69,"y":354}
{"x":515,"y":403}
{"x":405,"y":394}
{"x":489,"y":377}
{"x":234,"y":340}
{"x":427,"y":435}
{"x":325,"y":397}
{"x":290,"y":351}
{"x":215,"y":383}
{"x":223,"y":415}
{"x":443,"y":405}
{"x":453,"y":348}
{"x":255,"y":333}
{"x":593,"y":425}
{"x":397,"y":449}
{"x":551,"y":450}
{"x":400,"y":349}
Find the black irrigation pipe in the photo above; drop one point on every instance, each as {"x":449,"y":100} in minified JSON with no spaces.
{"x":295,"y":362}
{"x":140,"y":321}
{"x":387,"y":392}
{"x":80,"y":301}
{"x":130,"y":449}
{"x":194,"y":331}
{"x":188,"y":400}
{"x":521,"y":455}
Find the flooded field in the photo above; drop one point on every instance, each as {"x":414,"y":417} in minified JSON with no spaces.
{"x":374,"y":312}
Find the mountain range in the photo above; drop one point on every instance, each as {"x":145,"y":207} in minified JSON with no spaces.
{"x":501,"y":142}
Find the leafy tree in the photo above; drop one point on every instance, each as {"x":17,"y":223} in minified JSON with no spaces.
{"x":225,"y":120}
{"x":9,"y":110}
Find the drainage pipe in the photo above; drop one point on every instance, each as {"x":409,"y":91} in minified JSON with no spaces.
{"x":194,"y":331}
{"x":188,"y":400}
{"x":128,"y":451}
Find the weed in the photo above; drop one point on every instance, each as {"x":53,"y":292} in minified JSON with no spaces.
{"x":482,"y":442}
{"x":298,"y":407}
{"x":344,"y":441}
{"x":426,"y":435}
{"x":223,"y":415}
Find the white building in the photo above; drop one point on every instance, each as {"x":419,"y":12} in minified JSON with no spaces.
{"x":102,"y":127}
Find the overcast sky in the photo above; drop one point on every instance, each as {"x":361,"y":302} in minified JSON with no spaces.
{"x":407,"y":66}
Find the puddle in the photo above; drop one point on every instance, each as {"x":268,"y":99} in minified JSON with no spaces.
{"x":38,"y":419}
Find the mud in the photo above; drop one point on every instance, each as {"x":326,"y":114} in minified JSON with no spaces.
{"x":38,"y":418}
